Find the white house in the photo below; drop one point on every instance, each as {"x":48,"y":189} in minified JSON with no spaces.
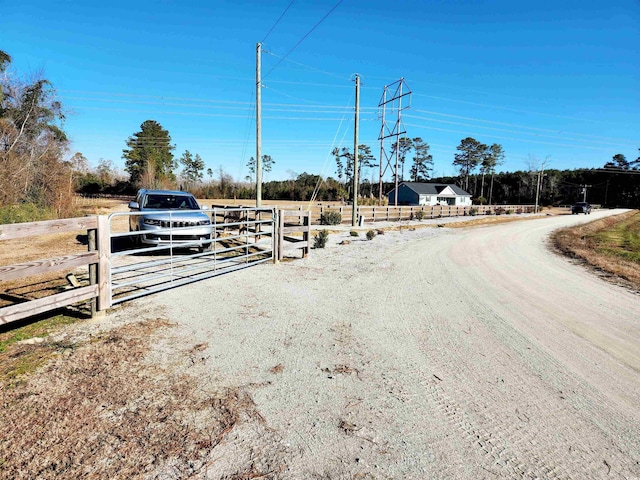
{"x":414,"y":193}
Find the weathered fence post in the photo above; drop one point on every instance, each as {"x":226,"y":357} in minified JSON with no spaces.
{"x":104,"y":259}
{"x":93,"y":268}
{"x":275,"y":235}
{"x":280,"y":234}
{"x":306,"y":234}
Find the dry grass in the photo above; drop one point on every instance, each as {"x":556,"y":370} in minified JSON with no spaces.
{"x":611,"y":245}
{"x":96,"y":409}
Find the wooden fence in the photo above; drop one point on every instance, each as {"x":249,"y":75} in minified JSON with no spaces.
{"x":98,"y":267}
{"x":410,"y":212}
{"x":403,"y":212}
{"x":293,"y":222}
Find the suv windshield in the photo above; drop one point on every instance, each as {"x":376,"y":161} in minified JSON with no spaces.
{"x":170,"y":202}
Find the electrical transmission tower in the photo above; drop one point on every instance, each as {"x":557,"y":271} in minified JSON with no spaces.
{"x":391,"y":103}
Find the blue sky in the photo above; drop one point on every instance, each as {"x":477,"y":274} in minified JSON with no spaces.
{"x":547,"y":80}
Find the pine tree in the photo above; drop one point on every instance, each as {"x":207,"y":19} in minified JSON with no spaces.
{"x":422,"y":161}
{"x":471,"y":154}
{"x":193,"y":170}
{"x":149,"y":160}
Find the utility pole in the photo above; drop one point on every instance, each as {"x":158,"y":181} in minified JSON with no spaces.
{"x":258,"y":127}
{"x":354,"y":214}
{"x":584,"y":192}
{"x":540,"y":176}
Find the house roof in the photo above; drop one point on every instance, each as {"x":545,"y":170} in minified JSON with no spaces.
{"x":433,"y":188}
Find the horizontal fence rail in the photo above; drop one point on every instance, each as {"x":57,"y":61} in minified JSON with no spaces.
{"x":372,"y":214}
{"x":27,"y":305}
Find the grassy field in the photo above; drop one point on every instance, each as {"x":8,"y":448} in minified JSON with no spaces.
{"x":611,"y":245}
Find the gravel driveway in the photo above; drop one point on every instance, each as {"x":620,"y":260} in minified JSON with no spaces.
{"x":428,"y":353}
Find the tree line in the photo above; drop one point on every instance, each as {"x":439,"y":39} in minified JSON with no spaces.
{"x":34,"y":169}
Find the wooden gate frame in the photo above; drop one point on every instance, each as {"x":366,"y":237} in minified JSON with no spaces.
{"x":302,"y":225}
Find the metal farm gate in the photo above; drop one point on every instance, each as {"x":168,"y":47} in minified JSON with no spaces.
{"x":240,"y":238}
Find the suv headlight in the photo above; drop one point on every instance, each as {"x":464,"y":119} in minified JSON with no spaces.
{"x":152,"y":221}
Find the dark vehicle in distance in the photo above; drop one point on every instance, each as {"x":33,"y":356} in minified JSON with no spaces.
{"x":169,"y":217}
{"x":581,"y":207}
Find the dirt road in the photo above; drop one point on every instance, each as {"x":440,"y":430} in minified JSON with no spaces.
{"x":434,"y":353}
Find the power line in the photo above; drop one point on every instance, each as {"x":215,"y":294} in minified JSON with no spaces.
{"x":515,"y":125}
{"x":303,"y":38}
{"x":502,"y":108}
{"x":509,"y":138}
{"x":511,"y":131}
{"x":277,"y":21}
{"x":245,"y":145}
{"x":336,"y":75}
{"x":235,"y":105}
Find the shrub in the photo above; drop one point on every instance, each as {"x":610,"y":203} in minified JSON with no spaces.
{"x":519,"y":211}
{"x":419,"y":215}
{"x":473,"y":211}
{"x":481,"y":201}
{"x":25,"y":212}
{"x":353,"y":233}
{"x":320,"y":239}
{"x":371,"y":234}
{"x":509,"y":212}
{"x":499,"y":211}
{"x":331,"y":217}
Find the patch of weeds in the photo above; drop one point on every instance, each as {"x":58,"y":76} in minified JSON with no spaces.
{"x":41,"y":328}
{"x":331,"y":217}
{"x":371,"y":234}
{"x":473,"y":211}
{"x":21,"y":360}
{"x":420,"y":215}
{"x":353,"y":233}
{"x":320,"y":239}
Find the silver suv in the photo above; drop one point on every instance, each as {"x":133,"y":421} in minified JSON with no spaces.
{"x":169,"y":217}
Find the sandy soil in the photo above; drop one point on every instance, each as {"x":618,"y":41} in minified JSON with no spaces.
{"x":428,"y":353}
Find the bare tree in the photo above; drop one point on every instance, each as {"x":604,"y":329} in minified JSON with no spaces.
{"x":32,"y":144}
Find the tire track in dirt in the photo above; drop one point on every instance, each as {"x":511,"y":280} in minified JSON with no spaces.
{"x":486,"y":423}
{"x":527,"y":418}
